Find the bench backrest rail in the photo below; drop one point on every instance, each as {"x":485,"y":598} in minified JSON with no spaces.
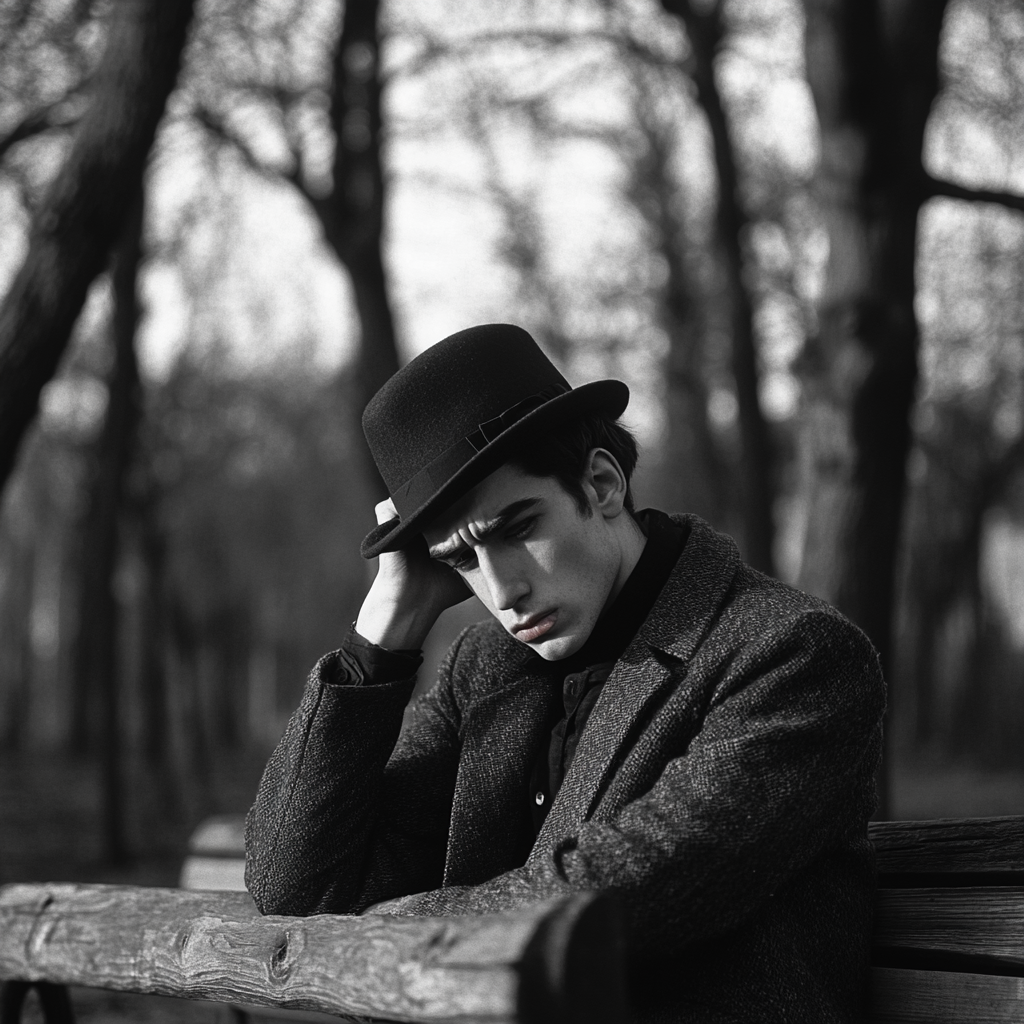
{"x":560,"y":960}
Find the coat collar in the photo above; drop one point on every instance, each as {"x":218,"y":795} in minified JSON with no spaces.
{"x":694,"y":592}
{"x":653,"y":661}
{"x":507,"y":722}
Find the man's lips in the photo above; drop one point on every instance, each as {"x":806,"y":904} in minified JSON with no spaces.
{"x":534,"y":627}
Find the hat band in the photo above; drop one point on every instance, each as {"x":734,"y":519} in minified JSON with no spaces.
{"x":421,"y":487}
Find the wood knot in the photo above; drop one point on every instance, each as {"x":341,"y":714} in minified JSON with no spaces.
{"x":279,"y":966}
{"x":442,"y":941}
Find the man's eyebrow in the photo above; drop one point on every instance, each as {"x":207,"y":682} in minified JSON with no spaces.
{"x":489,"y":528}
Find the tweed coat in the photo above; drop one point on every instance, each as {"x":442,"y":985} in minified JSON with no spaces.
{"x":721,"y":789}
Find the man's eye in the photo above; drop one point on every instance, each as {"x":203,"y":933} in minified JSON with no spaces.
{"x":463,"y":562}
{"x":522,"y":530}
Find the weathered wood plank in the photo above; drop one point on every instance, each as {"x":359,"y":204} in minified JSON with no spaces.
{"x":986,"y":921}
{"x":942,"y":997}
{"x":527,"y":965}
{"x":949,"y":846}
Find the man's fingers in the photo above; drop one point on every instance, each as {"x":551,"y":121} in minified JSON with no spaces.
{"x":385,"y":511}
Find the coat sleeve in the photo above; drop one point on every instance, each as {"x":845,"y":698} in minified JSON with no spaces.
{"x":350,"y":812}
{"x":780,"y":771}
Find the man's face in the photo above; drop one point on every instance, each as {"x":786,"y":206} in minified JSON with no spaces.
{"x":544,"y":571}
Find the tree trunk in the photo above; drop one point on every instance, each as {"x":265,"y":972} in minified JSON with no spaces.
{"x":194,"y":758}
{"x":692,"y":474}
{"x":16,"y":657}
{"x":943,"y":572}
{"x":76,"y":227}
{"x":155,"y":705}
{"x":873,"y":71}
{"x":926,"y":637}
{"x":705,"y":31}
{"x":99,"y":663}
{"x":353,"y":214}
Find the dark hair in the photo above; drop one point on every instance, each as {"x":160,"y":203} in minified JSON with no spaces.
{"x":563,"y":453}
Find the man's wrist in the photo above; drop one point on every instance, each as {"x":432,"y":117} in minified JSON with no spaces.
{"x":387,"y":624}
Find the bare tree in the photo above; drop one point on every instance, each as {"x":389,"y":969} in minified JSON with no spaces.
{"x":647,"y":146}
{"x":521,"y":244}
{"x":353,"y":213}
{"x":75,"y":229}
{"x":945,"y":563}
{"x":98,"y":675}
{"x":706,"y":31}
{"x":873,"y":71}
{"x":351,"y":210}
{"x":693,"y":469}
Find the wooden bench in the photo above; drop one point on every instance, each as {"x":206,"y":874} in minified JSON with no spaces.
{"x":949,"y":922}
{"x":948,"y":942}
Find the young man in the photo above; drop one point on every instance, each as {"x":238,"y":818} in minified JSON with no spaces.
{"x":643,"y":714}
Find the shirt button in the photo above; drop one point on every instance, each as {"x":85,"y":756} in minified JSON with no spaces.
{"x":539,"y":799}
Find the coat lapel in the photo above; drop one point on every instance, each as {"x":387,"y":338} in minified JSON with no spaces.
{"x":503,"y":731}
{"x":655,"y":661}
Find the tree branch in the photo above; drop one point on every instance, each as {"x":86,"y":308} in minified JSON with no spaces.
{"x":216,"y":127}
{"x":936,"y":187}
{"x":35,"y":124}
{"x":435,"y":49}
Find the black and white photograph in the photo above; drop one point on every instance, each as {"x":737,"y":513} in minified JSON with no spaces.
{"x":511,"y":511}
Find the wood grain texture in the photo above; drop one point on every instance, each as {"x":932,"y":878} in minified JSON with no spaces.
{"x":949,"y":846}
{"x":941,"y":997}
{"x":518,"y":966}
{"x":985,"y":922}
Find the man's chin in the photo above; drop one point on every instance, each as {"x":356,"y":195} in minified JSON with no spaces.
{"x":558,"y":648}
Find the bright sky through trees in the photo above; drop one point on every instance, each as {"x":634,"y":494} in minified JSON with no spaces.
{"x":237,"y":259}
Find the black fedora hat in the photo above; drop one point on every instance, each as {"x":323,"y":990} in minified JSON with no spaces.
{"x":455,"y":413}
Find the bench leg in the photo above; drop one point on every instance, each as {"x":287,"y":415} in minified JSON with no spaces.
{"x":12,"y":995}
{"x":55,"y":1001}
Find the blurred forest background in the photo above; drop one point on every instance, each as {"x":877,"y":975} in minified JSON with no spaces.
{"x":796,"y":229}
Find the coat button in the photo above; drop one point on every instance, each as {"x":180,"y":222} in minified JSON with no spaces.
{"x":539,"y":799}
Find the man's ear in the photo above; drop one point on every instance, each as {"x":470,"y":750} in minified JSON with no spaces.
{"x":605,"y":480}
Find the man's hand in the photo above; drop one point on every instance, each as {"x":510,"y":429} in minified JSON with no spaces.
{"x":409,"y":592}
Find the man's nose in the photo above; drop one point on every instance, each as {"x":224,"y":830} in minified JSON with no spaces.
{"x":507,"y":587}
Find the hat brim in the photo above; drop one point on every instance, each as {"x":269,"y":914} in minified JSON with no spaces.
{"x":608,"y":396}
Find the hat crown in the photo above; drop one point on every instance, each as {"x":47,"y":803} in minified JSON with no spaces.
{"x":448,"y":391}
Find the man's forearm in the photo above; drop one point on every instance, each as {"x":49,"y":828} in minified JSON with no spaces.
{"x":307,"y":833}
